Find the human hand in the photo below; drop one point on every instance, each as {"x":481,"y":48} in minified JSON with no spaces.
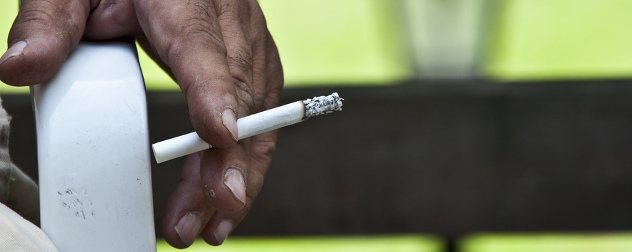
{"x":224,"y":60}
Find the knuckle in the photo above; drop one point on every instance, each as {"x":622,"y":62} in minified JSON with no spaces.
{"x":272,"y":97}
{"x":202,"y":7}
{"x":55,"y":20}
{"x":35,"y":15}
{"x":265,"y":150}
{"x":44,"y":10}
{"x":244,"y":94}
{"x":199,"y":26}
{"x":200,"y":29}
{"x":240,"y":62}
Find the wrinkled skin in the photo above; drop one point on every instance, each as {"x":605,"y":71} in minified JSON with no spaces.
{"x":222,"y":56}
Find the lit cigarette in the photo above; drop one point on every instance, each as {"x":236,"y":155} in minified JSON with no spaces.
{"x":252,"y":125}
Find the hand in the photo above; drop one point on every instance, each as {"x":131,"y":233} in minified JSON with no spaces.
{"x":224,"y":60}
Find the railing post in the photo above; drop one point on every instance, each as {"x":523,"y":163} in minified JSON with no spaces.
{"x":93,"y":152}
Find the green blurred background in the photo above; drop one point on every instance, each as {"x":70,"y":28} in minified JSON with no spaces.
{"x":386,"y":42}
{"x":378,"y":42}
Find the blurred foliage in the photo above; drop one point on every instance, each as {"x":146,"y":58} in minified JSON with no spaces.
{"x":365,"y":42}
{"x":392,"y":243}
{"x":560,"y":39}
{"x":513,"y":242}
{"x":339,"y":42}
{"x":547,"y":242}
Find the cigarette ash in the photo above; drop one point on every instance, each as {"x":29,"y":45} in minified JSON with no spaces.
{"x":321,"y":105}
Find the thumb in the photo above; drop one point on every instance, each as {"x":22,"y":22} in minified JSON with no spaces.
{"x":43,"y":34}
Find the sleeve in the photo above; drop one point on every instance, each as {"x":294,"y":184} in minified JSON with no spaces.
{"x":17,"y":190}
{"x":18,"y":199}
{"x":20,"y":235}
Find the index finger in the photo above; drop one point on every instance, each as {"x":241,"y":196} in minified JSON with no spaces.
{"x":187,"y":37}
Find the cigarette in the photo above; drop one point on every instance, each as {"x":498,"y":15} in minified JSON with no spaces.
{"x":252,"y":125}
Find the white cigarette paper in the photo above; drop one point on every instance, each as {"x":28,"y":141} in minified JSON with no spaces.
{"x":252,"y":125}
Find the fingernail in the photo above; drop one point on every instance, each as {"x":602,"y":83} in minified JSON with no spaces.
{"x":229,"y":119}
{"x":223,"y":230}
{"x":234,"y":180}
{"x":14,"y":50}
{"x":188,"y":228}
